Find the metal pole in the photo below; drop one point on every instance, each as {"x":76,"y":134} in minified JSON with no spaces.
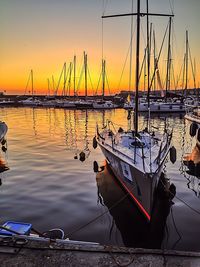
{"x":137,"y":66}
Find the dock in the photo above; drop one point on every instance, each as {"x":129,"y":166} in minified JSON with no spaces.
{"x":27,"y":252}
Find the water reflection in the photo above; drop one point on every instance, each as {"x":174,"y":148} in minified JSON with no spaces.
{"x":79,"y":137}
{"x":3,"y":168}
{"x":44,"y":177}
{"x":191,"y":169}
{"x":135,"y":230}
{"x":192,"y":161}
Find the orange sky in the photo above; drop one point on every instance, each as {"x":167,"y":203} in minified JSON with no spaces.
{"x":43,"y":34}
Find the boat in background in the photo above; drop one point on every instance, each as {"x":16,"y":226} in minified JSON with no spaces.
{"x":157,"y":106}
{"x":174,"y":106}
{"x":31,"y":101}
{"x":103,"y":104}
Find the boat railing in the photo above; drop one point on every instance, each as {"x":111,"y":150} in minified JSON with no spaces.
{"x":142,"y":147}
{"x":162,"y":150}
{"x":112,"y":145}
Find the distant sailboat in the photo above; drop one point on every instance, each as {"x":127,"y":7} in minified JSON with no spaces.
{"x":166,"y":104}
{"x":136,"y":157}
{"x":30,"y":101}
{"x":85,"y":103}
{"x":103,"y":104}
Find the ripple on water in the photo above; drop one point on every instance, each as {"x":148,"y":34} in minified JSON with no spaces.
{"x":49,"y":188}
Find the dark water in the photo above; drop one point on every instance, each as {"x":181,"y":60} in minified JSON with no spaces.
{"x":47,"y":187}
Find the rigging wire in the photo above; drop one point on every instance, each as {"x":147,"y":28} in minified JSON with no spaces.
{"x":98,"y":82}
{"x":152,"y":79}
{"x":27,"y":83}
{"x":123,"y":69}
{"x":104,"y":6}
{"x":56,"y":91}
{"x":80,"y":79}
{"x":90,"y":80}
{"x":192,"y":67}
{"x":107,"y":83}
{"x":179,"y":76}
{"x":131,"y":49}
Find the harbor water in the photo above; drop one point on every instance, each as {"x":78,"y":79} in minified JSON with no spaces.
{"x":49,"y":185}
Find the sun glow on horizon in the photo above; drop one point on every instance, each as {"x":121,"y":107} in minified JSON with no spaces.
{"x":32,"y":39}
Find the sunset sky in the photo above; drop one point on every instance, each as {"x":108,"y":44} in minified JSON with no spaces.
{"x":43,"y":34}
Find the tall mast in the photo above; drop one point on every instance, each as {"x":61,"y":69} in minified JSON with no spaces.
{"x":155,"y":60}
{"x":131,"y":50}
{"x":138,"y":14}
{"x":65,"y":78}
{"x":74,"y":75}
{"x":103,"y":77}
{"x":53,"y":84}
{"x":85,"y":67}
{"x":48,"y":86}
{"x":70,"y":76}
{"x":137,"y":67}
{"x":168,"y":58}
{"x":186,"y":63}
{"x":183,"y":77}
{"x":148,"y":55}
{"x":32,"y":83}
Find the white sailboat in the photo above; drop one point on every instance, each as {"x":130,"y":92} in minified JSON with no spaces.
{"x":30,"y":101}
{"x":102,"y":103}
{"x":136,"y":157}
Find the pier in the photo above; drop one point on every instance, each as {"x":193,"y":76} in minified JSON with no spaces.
{"x":51,"y":253}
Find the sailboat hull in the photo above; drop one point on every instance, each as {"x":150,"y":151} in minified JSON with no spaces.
{"x":138,"y":185}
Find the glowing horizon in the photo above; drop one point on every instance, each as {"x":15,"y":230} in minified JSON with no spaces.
{"x":42,"y":35}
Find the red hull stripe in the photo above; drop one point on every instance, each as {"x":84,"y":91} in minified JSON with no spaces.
{"x":136,"y":201}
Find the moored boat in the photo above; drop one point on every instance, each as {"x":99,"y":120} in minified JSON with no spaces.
{"x":104,"y":104}
{"x":137,"y":156}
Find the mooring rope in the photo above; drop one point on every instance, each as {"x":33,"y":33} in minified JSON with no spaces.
{"x":99,"y":216}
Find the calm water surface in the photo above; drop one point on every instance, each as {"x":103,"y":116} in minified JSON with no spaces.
{"x":46,"y":186}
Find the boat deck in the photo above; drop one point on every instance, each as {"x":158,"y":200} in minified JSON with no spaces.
{"x":147,"y":149}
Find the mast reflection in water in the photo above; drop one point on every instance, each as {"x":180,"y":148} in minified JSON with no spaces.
{"x":135,"y":230}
